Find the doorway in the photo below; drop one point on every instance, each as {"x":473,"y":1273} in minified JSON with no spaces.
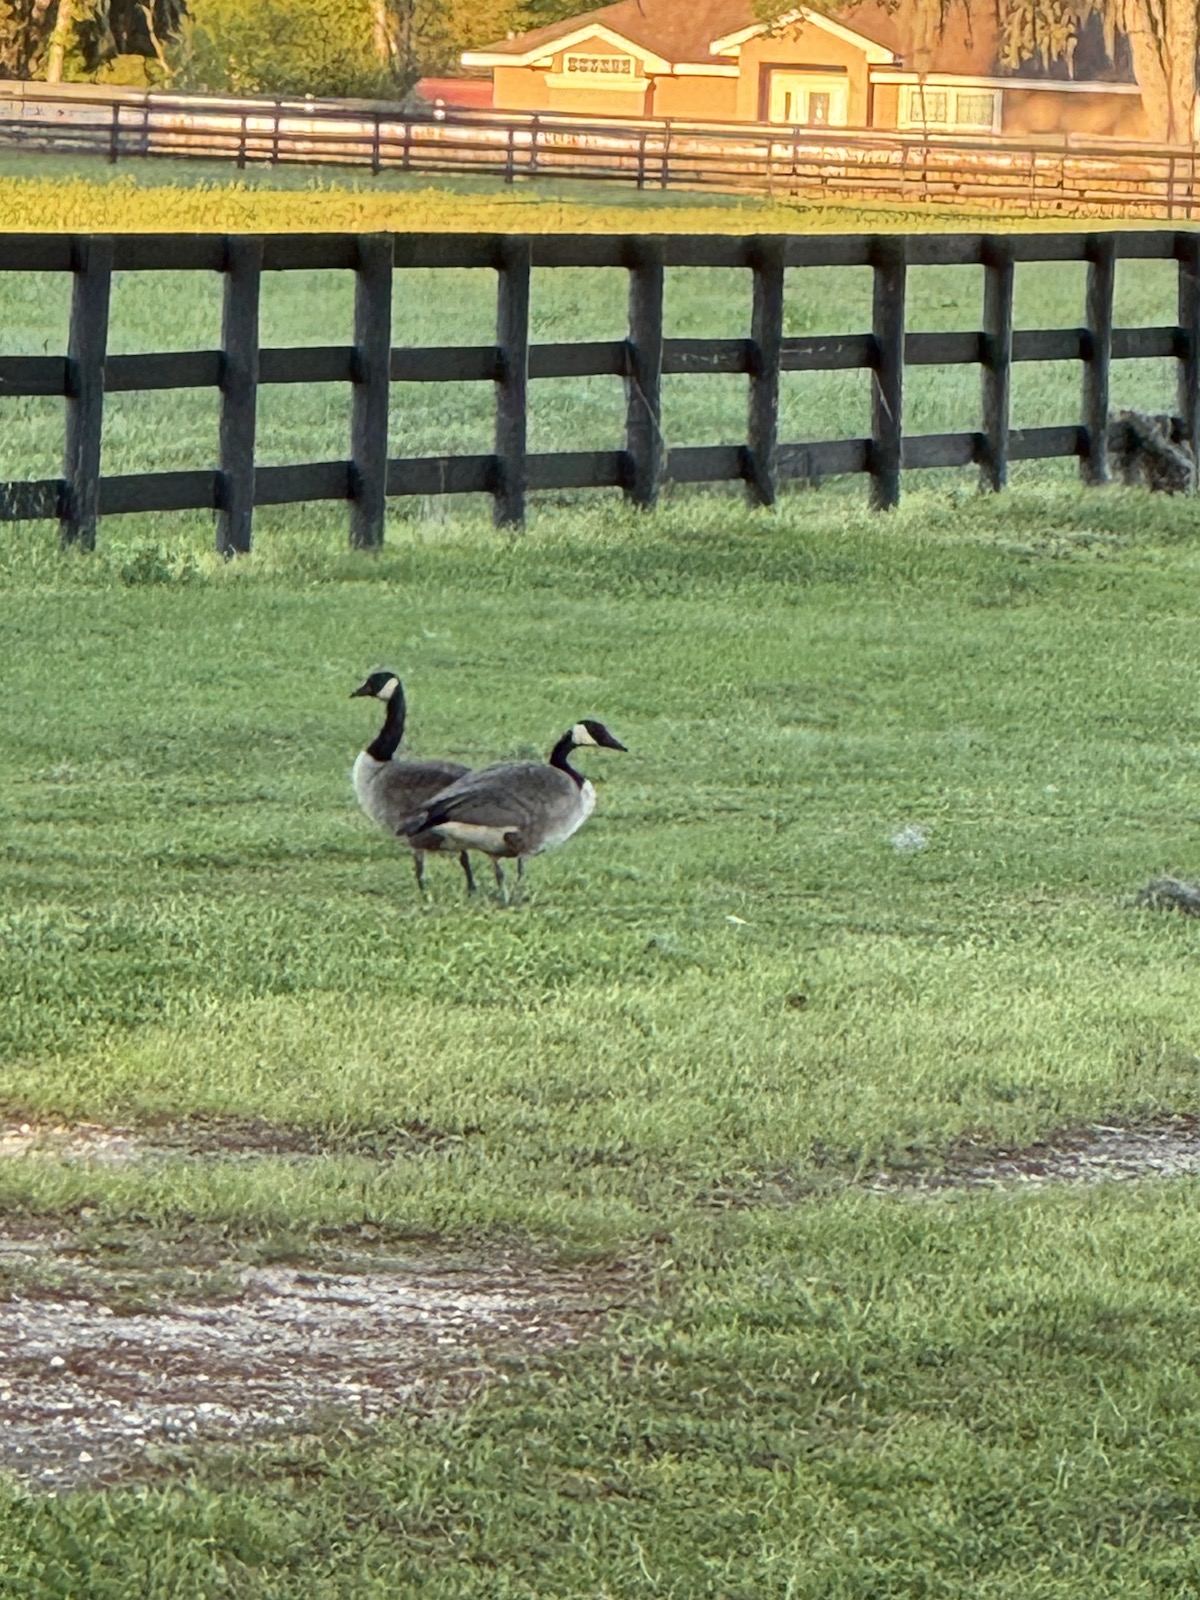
{"x":808,"y":99}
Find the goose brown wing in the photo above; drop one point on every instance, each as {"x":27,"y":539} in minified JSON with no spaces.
{"x":502,"y":797}
{"x":409,"y":784}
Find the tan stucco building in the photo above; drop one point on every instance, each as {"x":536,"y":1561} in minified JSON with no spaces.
{"x":718,"y":61}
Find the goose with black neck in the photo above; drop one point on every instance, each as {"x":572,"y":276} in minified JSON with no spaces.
{"x":514,"y":811}
{"x":389,"y":790}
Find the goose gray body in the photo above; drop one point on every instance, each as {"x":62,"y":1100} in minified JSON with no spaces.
{"x":516,"y":810}
{"x":389,"y":790}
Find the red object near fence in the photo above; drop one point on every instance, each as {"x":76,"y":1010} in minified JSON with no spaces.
{"x":457,"y":94}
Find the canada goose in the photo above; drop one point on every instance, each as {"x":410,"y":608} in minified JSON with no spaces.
{"x":389,"y":790}
{"x":517,"y":810}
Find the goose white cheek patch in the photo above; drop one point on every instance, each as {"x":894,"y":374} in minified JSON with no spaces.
{"x":389,"y":688}
{"x":580,"y":735}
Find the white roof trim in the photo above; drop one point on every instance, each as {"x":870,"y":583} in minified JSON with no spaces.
{"x":964,"y":80}
{"x":732,"y":43}
{"x":700,"y":69}
{"x":591,"y":30}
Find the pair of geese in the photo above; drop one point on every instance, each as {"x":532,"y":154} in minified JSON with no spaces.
{"x":507,"y":812}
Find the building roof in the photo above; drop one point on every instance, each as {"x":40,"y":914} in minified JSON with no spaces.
{"x":675,"y":30}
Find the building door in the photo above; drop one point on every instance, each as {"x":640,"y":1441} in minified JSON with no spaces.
{"x":808,"y":99}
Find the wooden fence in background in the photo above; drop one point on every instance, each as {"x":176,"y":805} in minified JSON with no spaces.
{"x":1030,"y":173}
{"x":372,"y":363}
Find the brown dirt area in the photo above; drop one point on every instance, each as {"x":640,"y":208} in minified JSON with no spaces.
{"x":1103,"y":1153}
{"x":99,"y":1387}
{"x":117,"y":1359}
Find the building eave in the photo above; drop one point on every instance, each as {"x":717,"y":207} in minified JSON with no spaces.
{"x":731,"y":43}
{"x":969,"y":80}
{"x":651,"y":62}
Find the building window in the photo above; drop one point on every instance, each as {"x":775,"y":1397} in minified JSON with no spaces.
{"x":975,"y":109}
{"x":599,"y":66}
{"x":929,"y":105}
{"x":946,"y":110}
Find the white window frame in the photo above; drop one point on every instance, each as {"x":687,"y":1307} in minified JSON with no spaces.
{"x":912,"y":116}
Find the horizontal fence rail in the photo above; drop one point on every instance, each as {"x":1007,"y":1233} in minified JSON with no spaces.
{"x":1045,"y":173}
{"x":236,"y":484}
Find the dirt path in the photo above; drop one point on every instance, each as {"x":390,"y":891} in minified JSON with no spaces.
{"x":108,"y":1370}
{"x":93,"y":1393}
{"x":1083,"y":1155}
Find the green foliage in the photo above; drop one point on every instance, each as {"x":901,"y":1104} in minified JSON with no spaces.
{"x":1041,"y":31}
{"x":286,"y":47}
{"x":539,"y":13}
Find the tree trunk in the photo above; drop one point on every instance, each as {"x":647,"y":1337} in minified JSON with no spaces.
{"x":384,"y":33}
{"x":1164,"y":38}
{"x":64,"y":22}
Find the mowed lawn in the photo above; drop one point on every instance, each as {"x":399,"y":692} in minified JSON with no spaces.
{"x":715,"y":1011}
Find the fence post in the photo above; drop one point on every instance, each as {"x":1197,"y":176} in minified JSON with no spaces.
{"x":1187,"y":251}
{"x":239,"y":393}
{"x":643,"y":373}
{"x":996,"y":366}
{"x":887,"y":376}
{"x":87,"y":347}
{"x":766,"y":338}
{"x":371,"y":390}
{"x":114,"y":134}
{"x":514,"y":268}
{"x":1101,"y":259}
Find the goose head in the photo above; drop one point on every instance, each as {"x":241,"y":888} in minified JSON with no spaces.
{"x":379,"y":686}
{"x":592,"y":734}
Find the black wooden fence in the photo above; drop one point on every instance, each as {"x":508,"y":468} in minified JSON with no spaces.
{"x":765,"y":462}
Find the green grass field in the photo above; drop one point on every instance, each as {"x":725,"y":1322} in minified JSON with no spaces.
{"x":85,"y":193}
{"x":815,"y":1391}
{"x":715,"y":1011}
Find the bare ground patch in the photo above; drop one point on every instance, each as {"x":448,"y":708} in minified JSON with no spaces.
{"x":92,"y":1391}
{"x":228,"y":1137}
{"x":1082,"y":1155}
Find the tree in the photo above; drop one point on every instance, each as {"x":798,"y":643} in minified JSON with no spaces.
{"x":1164,"y":38}
{"x":279,"y":47}
{"x":1164,"y":41}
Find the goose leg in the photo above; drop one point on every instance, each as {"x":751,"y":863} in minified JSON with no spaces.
{"x":498,"y":869}
{"x":465,"y":859}
{"x":419,"y":867}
